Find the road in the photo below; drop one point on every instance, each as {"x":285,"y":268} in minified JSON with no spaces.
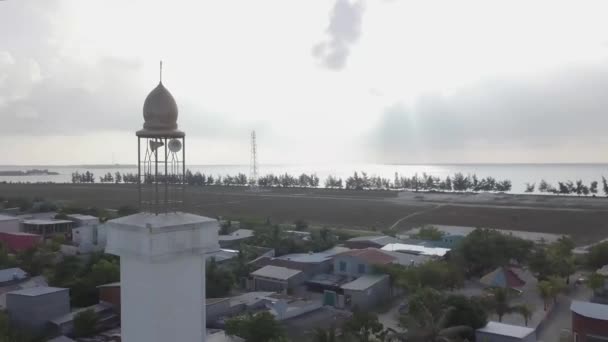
{"x":561,"y":318}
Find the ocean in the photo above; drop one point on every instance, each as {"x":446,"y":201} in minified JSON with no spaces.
{"x":519,"y":174}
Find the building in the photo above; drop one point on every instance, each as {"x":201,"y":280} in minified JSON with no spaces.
{"x":223,"y":255}
{"x":220,"y":308}
{"x":589,"y":321}
{"x":362,"y":242}
{"x":278,"y":279}
{"x":162,"y":249}
{"x":89,"y":238}
{"x":48,"y":227}
{"x":235,"y":238}
{"x":417,"y":249}
{"x":64,"y":324}
{"x":18,"y":242}
{"x":500,"y":332}
{"x":309,"y":263}
{"x":110,"y":294}
{"x":366,"y":291}
{"x":357,"y":262}
{"x":83,"y":220}
{"x":12,"y":276}
{"x":34,"y":307}
{"x":9,"y":224}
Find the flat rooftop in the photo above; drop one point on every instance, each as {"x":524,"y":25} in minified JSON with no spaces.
{"x":44,"y":222}
{"x":144,"y":220}
{"x":38,"y":291}
{"x":364,"y":282}
{"x":276,"y":272}
{"x":422,"y":250}
{"x":590,"y":310}
{"x":502,"y":329}
{"x":8,"y":218}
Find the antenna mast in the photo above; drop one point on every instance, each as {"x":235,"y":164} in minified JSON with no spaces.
{"x":253,"y":172}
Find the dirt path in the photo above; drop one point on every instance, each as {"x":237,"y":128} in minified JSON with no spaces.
{"x":414,"y":214}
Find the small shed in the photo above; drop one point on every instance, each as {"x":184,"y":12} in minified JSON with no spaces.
{"x":274,"y":278}
{"x":12,"y":275}
{"x":366,"y":291}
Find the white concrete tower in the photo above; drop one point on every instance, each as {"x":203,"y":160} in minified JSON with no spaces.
{"x":162,"y":250}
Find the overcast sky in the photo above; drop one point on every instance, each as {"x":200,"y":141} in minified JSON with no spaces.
{"x":383,"y":81}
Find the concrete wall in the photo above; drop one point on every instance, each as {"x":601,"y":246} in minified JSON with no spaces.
{"x":486,"y":337}
{"x":34,"y":312}
{"x":369,"y":298}
{"x":10,"y":225}
{"x":352,"y":266}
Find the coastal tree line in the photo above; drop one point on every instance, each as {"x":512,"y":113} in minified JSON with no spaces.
{"x":458,"y":182}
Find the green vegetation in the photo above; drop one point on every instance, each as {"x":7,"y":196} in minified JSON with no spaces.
{"x":261,"y":327}
{"x":554,"y":260}
{"x":85,"y":323}
{"x":219,"y":280}
{"x":83,"y":276}
{"x":429,"y":233}
{"x":595,"y":282}
{"x":436,"y":274}
{"x":485,"y":249}
{"x":11,"y":334}
{"x":598,"y":255}
{"x":363,"y":326}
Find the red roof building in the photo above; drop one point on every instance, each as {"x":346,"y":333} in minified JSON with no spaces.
{"x":589,"y":321}
{"x":17,"y":242}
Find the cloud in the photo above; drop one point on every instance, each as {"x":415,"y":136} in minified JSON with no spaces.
{"x":343,"y":31}
{"x":566,"y":107}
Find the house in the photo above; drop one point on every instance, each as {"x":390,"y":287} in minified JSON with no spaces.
{"x":462,"y":231}
{"x":64,"y":324}
{"x":423,"y":250}
{"x":279,"y":279}
{"x":37,"y":281}
{"x":89,"y":238}
{"x":235,"y":238}
{"x":18,"y":241}
{"x":309,"y":263}
{"x":500,"y":332}
{"x":110,"y":294}
{"x":223,"y":255}
{"x":10,"y":276}
{"x":378,"y":241}
{"x":33,"y":308}
{"x":48,"y":227}
{"x":83,"y":220}
{"x":589,"y":321}
{"x":366,"y":291}
{"x":9,"y":224}
{"x":357,"y":262}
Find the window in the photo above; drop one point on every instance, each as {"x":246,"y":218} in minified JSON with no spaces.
{"x":342,"y":266}
{"x":361,"y":268}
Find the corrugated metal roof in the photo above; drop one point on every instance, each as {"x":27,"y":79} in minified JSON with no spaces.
{"x":275,"y":272}
{"x":590,"y":310}
{"x":502,"y":329}
{"x":38,"y":291}
{"x":42,"y":222}
{"x":396,"y":247}
{"x":379,"y":239}
{"x":371,"y":255}
{"x":8,"y":218}
{"x":314,"y":257}
{"x":364,"y":282}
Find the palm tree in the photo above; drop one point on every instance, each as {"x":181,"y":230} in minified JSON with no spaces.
{"x":545,"y":290}
{"x":426,"y":327}
{"x":525,"y":311}
{"x":500,"y":302}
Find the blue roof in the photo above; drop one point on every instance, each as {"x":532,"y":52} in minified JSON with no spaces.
{"x":11,"y":274}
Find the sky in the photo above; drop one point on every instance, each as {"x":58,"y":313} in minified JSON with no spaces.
{"x":321,"y":81}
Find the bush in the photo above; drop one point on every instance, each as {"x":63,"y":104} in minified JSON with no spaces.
{"x":85,"y":323}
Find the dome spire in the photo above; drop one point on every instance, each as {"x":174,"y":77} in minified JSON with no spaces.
{"x":161,"y":72}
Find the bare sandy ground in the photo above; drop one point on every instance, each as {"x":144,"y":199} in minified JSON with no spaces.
{"x":585,"y":219}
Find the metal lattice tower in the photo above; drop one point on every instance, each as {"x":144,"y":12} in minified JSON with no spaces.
{"x":253,"y":172}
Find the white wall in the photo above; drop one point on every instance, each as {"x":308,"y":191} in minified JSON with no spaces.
{"x":163,"y":301}
{"x":10,"y":225}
